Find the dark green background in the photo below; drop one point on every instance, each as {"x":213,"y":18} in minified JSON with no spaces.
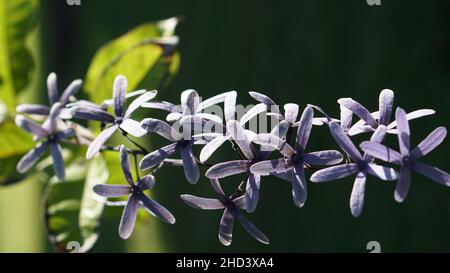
{"x":294,"y":51}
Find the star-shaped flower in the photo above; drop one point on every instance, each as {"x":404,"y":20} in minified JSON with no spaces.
{"x":361,"y":166}
{"x":136,"y":199}
{"x":51,"y":137}
{"x":121,"y":120}
{"x":370,"y":121}
{"x":409,"y":159}
{"x":53,"y":97}
{"x":232,"y":210}
{"x":291,"y":167}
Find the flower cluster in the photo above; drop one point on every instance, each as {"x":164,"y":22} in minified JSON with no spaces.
{"x":281,"y":150}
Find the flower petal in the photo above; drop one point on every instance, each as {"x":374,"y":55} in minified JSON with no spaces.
{"x":29,"y":159}
{"x":281,"y":129}
{"x":212,"y":101}
{"x":52,"y":88}
{"x":323,"y":158}
{"x":161,"y":105}
{"x":403,"y":131}
{"x":382,"y":172}
{"x":252,"y":192}
{"x":414,"y":115}
{"x":291,"y":112}
{"x":230,"y":106}
{"x":91,"y":113}
{"x":211,"y":147}
{"x":157,"y":209}
{"x":98,"y":142}
{"x":346,"y":118}
{"x":161,"y":128}
{"x":344,"y":141}
{"x":191,"y":170}
{"x":304,"y":129}
{"x":217,"y":188}
{"x":129,"y":217}
{"x":238,"y":134}
{"x":250,"y":228}
{"x":403,"y":184}
{"x":299,"y":187}
{"x":156,"y":157}
{"x":30,"y":126}
{"x":381,"y":152}
{"x":125,"y":164}
{"x":226,"y":228}
{"x":271,"y":140}
{"x":253,"y":112}
{"x":146,"y":182}
{"x":358,"y":110}
{"x":71,"y":90}
{"x":433,"y":173}
{"x":386,"y":102}
{"x":228,"y":168}
{"x":51,"y":123}
{"x":119,"y":93}
{"x":33,"y":109}
{"x":262,"y":98}
{"x":132,"y":127}
{"x":189,"y":102}
{"x":269,"y":167}
{"x":427,"y":145}
{"x":377,"y":137}
{"x":357,"y":196}
{"x":200,"y":123}
{"x":202,"y":203}
{"x":138,"y":102}
{"x":58,"y":161}
{"x":334,"y":173}
{"x":112,"y":191}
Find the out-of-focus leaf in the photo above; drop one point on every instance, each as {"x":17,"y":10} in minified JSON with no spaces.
{"x":17,"y":19}
{"x":72,"y":210}
{"x":3,"y":111}
{"x":145,"y":55}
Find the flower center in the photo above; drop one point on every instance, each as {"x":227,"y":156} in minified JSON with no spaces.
{"x":119,"y":120}
{"x":406,"y":160}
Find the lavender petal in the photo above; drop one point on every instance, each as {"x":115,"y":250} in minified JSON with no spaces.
{"x":230,"y":106}
{"x":29,"y":159}
{"x":346,"y":118}
{"x":162,"y":105}
{"x":403,"y":184}
{"x":299,"y":188}
{"x":382,"y":172}
{"x":344,"y":142}
{"x":270,"y":140}
{"x":91,"y":113}
{"x":132,"y":127}
{"x":403,"y":131}
{"x":334,"y":173}
{"x":129,"y":217}
{"x":382,"y":152}
{"x":252,"y":192}
{"x":414,"y":115}
{"x":119,"y":93}
{"x":156,"y":157}
{"x":432,"y":173}
{"x":189,"y":102}
{"x":269,"y":167}
{"x":191,"y":170}
{"x":98,"y":142}
{"x":31,"y":126}
{"x":262,"y":98}
{"x":58,"y":161}
{"x":433,"y":140}
{"x":112,"y":191}
{"x":71,"y":90}
{"x":161,"y":128}
{"x":211,"y":147}
{"x":291,"y":112}
{"x":52,"y":88}
{"x":357,"y":196}
{"x":33,"y":109}
{"x":146,"y":182}
{"x":202,"y":203}
{"x":304,"y":130}
{"x":323,"y":158}
{"x":228,"y":168}
{"x":212,"y":101}
{"x":250,"y":228}
{"x":226,"y":228}
{"x":358,"y":110}
{"x":157,"y":209}
{"x":253,"y":112}
{"x":238,"y":134}
{"x":125,"y":164}
{"x":377,"y":137}
{"x":386,"y":103}
{"x":138,"y":102}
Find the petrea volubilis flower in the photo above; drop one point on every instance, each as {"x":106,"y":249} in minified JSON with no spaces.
{"x":292,"y":165}
{"x":361,"y":165}
{"x":51,"y":137}
{"x":232,"y":210}
{"x":121,"y":120}
{"x":409,"y":159}
{"x":136,"y":199}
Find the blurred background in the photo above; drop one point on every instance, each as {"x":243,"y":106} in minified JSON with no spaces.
{"x":293,"y":51}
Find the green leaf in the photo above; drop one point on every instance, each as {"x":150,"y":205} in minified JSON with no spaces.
{"x":17,"y":19}
{"x":145,"y":55}
{"x":72,"y":210}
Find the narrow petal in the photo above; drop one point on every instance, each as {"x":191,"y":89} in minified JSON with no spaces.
{"x":110,"y":102}
{"x":356,"y":129}
{"x":125,"y":164}
{"x":174,"y":116}
{"x":189,"y":102}
{"x":414,"y":115}
{"x":386,"y":103}
{"x":161,"y":105}
{"x":191,"y":170}
{"x":30,"y":126}
{"x":161,"y":128}
{"x":119,"y":93}
{"x":212,"y":101}
{"x":358,"y":110}
{"x":92,"y":113}
{"x":33,"y":109}
{"x":253,"y":112}
{"x":344,"y":141}
{"x":238,"y":134}
{"x":432,"y":173}
{"x":381,"y":152}
{"x":334,"y":173}
{"x":51,"y":123}
{"x":250,"y":228}
{"x":98,"y":143}
{"x":226,"y":228}
{"x":271,"y":140}
{"x":323,"y":158}
{"x":230,"y":106}
{"x":58,"y":161}
{"x":31,"y":157}
{"x":403,"y":184}
{"x":427,"y":145}
{"x":228,"y":168}
{"x":252,"y":192}
{"x":382,"y":172}
{"x":281,"y":129}
{"x":269,"y":167}
{"x":291,"y":112}
{"x":129,"y":217}
{"x":138,"y":102}
{"x":157,"y":209}
{"x":299,"y":189}
{"x":346,"y":118}
{"x":156,"y":157}
{"x":377,"y":137}
{"x":403,"y":131}
{"x":71,"y":90}
{"x":304,"y":129}
{"x":262,"y":98}
{"x":132,"y":127}
{"x":357,"y":196}
{"x":111,"y":191}
{"x":202,"y":203}
{"x":200,"y":123}
{"x":146,"y":182}
{"x":52,"y":88}
{"x":211,"y":147}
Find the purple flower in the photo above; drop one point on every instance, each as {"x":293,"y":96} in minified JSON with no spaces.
{"x":370,"y":121}
{"x":136,"y":199}
{"x":361,"y":166}
{"x":407,"y":158}
{"x":291,"y":167}
{"x":53,"y":97}
{"x":154,"y":158}
{"x":232,"y":210}
{"x":49,"y":136}
{"x":121,"y":120}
